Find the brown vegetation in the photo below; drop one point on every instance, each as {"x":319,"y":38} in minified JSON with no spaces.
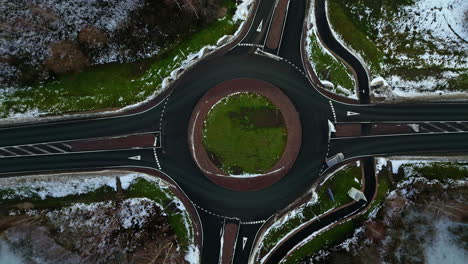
{"x":92,"y":37}
{"x":405,"y":225}
{"x":66,"y":57}
{"x":93,"y":236}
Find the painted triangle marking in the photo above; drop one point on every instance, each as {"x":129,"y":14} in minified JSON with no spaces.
{"x":244,"y":241}
{"x":350,"y":113}
{"x":259,"y":29}
{"x":135,"y":158}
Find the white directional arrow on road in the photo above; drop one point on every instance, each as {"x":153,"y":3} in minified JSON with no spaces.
{"x":244,"y":241}
{"x":349,"y":113}
{"x":259,"y":29}
{"x":135,"y":158}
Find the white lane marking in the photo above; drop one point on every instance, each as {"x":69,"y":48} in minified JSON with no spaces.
{"x":28,"y":152}
{"x":156,"y":158}
{"x":39,"y":149}
{"x":250,"y":45}
{"x":251,"y":24}
{"x":266,"y":54}
{"x":399,"y":135}
{"x":436,"y":127}
{"x":394,"y":121}
{"x":451,"y":126}
{"x":253,"y":222}
{"x":244,"y":241}
{"x":333,"y":110}
{"x":83,"y":139}
{"x":67,"y":145}
{"x":283,"y":27}
{"x":351,"y":113}
{"x":61,"y":150}
{"x":269,"y":24}
{"x":135,"y":157}
{"x":292,"y":64}
{"x":426,"y":130}
{"x":10,"y":152}
{"x":259,"y":29}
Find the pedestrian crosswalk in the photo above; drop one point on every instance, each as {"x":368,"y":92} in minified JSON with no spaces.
{"x":37,"y":149}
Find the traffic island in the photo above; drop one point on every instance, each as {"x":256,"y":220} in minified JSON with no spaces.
{"x":244,"y":134}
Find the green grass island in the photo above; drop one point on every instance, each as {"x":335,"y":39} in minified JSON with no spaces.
{"x":244,"y":134}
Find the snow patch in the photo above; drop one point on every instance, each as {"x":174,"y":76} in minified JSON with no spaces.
{"x":8,"y":254}
{"x":51,"y":186}
{"x":443,"y":248}
{"x":242,"y":11}
{"x":193,"y":255}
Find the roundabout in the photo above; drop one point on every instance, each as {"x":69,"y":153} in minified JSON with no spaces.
{"x":270,"y":131}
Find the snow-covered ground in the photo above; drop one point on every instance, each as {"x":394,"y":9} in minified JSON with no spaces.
{"x":8,"y":255}
{"x":442,"y":23}
{"x":444,"y":248}
{"x":409,"y":163}
{"x":182,"y":62}
{"x":419,"y":222}
{"x":58,"y":20}
{"x":420,"y":49}
{"x":134,"y":213}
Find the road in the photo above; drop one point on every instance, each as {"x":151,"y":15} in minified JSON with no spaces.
{"x":169,"y":115}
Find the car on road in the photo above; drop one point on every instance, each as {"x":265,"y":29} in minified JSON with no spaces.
{"x":335,"y":159}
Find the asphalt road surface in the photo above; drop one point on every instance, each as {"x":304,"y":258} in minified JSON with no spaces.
{"x":170,"y":114}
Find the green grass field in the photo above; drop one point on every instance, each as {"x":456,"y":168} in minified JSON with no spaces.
{"x":328,"y":68}
{"x":242,"y":135}
{"x":114,"y":84}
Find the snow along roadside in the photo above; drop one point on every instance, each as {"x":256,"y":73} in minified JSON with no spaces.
{"x":242,"y":13}
{"x":65,"y":184}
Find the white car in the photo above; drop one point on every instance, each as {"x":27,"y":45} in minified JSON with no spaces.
{"x":335,"y":159}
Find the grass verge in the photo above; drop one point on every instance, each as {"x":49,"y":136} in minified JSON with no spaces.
{"x":114,"y":84}
{"x":339,"y":184}
{"x":325,"y":239}
{"x":328,"y":68}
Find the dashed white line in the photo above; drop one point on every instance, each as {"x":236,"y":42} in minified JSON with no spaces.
{"x":250,"y":45}
{"x":206,"y":211}
{"x":228,"y":217}
{"x":333,"y":110}
{"x":253,"y":222}
{"x":163,"y":110}
{"x":292,"y":64}
{"x":156,"y":158}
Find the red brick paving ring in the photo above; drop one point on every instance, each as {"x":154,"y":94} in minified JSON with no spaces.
{"x":291,"y":119}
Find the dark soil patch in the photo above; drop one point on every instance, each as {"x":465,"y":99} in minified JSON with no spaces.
{"x":263,"y":117}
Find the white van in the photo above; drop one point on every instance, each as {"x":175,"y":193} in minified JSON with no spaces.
{"x":335,"y":159}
